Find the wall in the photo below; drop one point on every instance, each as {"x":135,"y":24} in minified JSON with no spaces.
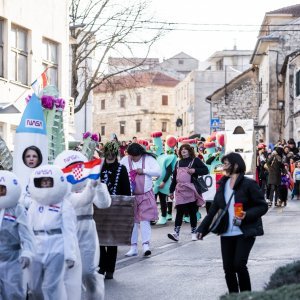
{"x":43,"y":19}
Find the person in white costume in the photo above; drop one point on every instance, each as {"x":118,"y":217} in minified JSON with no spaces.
{"x":83,"y":195}
{"x":52,"y":219}
{"x":14,"y":232}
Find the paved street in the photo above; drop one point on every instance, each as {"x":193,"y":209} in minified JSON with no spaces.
{"x":193,"y":270}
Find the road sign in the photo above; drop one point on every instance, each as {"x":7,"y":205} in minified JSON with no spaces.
{"x":215,"y":123}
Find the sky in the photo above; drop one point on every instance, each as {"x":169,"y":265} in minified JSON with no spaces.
{"x":201,"y":28}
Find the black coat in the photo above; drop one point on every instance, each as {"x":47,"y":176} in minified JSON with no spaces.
{"x":247,"y":192}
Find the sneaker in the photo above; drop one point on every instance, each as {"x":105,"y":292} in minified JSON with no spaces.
{"x":147,"y":251}
{"x":173,"y":236}
{"x":194,"y":237}
{"x":169,"y":217}
{"x":186,"y":219}
{"x":198,"y":214}
{"x":162,"y":221}
{"x":132,"y":252}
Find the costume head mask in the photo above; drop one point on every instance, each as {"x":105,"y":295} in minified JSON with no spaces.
{"x":47,"y":185}
{"x":10,"y":189}
{"x":68,"y":158}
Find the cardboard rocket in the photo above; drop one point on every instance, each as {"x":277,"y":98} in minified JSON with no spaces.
{"x":30,"y":133}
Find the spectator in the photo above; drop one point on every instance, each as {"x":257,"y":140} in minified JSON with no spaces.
{"x":122,"y":149}
{"x":274,"y":166}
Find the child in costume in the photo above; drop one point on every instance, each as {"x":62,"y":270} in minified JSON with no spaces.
{"x":16,"y":239}
{"x":52,"y":219}
{"x":83,"y":195}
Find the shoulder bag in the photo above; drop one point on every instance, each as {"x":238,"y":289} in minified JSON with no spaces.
{"x":198,"y":182}
{"x":216,"y":225}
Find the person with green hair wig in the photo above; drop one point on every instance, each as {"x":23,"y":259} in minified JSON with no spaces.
{"x":115,"y":176}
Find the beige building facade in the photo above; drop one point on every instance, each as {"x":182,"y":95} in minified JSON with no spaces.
{"x":135,"y":105}
{"x":34,"y":35}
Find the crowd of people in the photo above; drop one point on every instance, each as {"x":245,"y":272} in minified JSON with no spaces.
{"x":278,"y":171}
{"x":159,"y":175}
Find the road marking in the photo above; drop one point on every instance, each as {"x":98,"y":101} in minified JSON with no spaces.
{"x":165,"y":246}
{"x":125,"y":259}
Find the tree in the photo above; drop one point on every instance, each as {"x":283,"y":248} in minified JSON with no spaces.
{"x":103,"y":27}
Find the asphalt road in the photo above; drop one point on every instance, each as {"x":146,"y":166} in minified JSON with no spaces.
{"x":193,"y":270}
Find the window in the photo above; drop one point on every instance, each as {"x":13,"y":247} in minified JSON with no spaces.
{"x":1,"y":48}
{"x":122,"y":101}
{"x":138,"y":99}
{"x":298,"y":83}
{"x":164,"y":100}
{"x":50,"y":61}
{"x":102,"y":104}
{"x":138,"y":126}
{"x":180,"y":61}
{"x":219,"y":65}
{"x":102,"y":130}
{"x":164,"y":126}
{"x":122,"y":127}
{"x":19,"y":53}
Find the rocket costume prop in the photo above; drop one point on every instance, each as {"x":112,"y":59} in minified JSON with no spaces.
{"x":31,"y":132}
{"x":52,"y":219}
{"x":82,"y":196}
{"x":14,"y":232}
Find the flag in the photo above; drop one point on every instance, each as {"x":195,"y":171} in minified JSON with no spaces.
{"x":81,"y":171}
{"x":40,"y":83}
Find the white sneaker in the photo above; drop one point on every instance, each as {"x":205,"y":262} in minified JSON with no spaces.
{"x":194,"y":237}
{"x":173,"y":236}
{"x":146,"y":249}
{"x":132,"y":252}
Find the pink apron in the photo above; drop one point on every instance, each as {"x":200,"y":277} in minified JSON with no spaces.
{"x":185,"y":191}
{"x":145,"y":208}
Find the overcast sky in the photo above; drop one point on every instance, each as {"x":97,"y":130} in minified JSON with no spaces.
{"x":200,"y":32}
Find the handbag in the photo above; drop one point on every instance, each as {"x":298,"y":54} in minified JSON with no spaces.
{"x":216,"y":225}
{"x":200,"y":185}
{"x":198,"y":182}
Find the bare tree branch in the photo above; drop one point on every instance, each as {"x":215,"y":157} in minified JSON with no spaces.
{"x":102,"y":28}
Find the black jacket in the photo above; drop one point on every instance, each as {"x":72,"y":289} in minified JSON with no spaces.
{"x":247,"y":192}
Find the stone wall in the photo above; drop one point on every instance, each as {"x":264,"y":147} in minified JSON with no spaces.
{"x":241,"y":103}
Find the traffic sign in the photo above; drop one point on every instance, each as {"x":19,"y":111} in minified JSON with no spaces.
{"x":215,"y":123}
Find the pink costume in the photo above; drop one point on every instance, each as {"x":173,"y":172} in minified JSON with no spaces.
{"x":185,"y":191}
{"x":145,"y":208}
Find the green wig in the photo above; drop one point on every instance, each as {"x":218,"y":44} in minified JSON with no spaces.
{"x":111,"y":147}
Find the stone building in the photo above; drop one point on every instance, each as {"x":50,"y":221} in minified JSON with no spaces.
{"x":191,"y":105}
{"x":237,"y":100}
{"x":290,"y":73}
{"x":135,"y":105}
{"x":278,"y":39}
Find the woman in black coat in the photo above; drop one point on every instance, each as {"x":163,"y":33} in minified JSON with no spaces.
{"x":237,"y":230}
{"x":115,"y":176}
